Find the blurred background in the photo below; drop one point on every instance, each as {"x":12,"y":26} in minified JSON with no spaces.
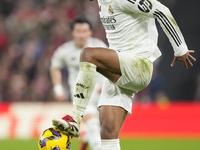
{"x":30,"y":32}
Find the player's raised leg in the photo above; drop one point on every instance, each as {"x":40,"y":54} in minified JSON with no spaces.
{"x":103,"y":60}
{"x":111,"y":121}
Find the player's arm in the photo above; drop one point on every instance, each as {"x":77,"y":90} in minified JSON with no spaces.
{"x":56,"y":76}
{"x":154,"y":9}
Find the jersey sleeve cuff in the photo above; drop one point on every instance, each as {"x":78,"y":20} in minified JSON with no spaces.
{"x":180,"y":51}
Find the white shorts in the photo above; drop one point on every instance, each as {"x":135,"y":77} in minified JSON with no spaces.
{"x":136,"y":75}
{"x":93,"y":102}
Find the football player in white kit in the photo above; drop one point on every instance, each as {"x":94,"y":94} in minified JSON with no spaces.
{"x":67,"y":55}
{"x":127,"y":64}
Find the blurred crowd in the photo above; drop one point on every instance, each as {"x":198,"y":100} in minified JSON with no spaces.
{"x":30,"y":32}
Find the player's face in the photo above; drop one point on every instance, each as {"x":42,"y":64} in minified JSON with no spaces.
{"x":81,"y":33}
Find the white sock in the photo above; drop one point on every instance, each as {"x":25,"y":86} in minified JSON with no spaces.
{"x":84,"y":87}
{"x":92,"y":136}
{"x":112,"y":144}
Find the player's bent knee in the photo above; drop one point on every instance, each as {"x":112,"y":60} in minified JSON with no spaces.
{"x":107,"y":132}
{"x":86,"y":55}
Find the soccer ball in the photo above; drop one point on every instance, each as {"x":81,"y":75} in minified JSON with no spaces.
{"x":54,"y":139}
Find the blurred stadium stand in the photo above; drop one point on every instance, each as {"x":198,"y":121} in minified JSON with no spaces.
{"x":31,"y":30}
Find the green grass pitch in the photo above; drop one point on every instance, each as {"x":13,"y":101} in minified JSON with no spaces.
{"x":161,"y":144}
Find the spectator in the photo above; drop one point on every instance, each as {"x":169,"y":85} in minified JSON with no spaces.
{"x":29,"y":34}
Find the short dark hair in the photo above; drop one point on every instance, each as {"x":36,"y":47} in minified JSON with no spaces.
{"x":80,"y":20}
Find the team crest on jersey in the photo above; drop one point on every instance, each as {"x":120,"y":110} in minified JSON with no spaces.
{"x":110,"y":10}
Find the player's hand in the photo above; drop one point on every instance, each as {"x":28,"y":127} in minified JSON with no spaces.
{"x":186,"y":59}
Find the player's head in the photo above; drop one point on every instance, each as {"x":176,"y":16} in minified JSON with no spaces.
{"x":81,"y":31}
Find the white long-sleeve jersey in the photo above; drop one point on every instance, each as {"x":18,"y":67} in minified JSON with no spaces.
{"x":130,"y":26}
{"x":68,"y":55}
